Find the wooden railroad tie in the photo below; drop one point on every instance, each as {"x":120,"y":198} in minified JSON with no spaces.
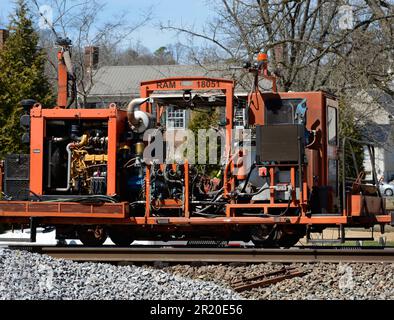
{"x":267,"y":279}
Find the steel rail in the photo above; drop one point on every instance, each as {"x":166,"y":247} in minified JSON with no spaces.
{"x":213,"y":255}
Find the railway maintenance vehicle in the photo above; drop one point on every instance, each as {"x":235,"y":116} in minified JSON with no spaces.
{"x":283,"y":173}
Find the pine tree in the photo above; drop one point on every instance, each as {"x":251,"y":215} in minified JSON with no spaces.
{"x":21,"y":77}
{"x":205,"y":119}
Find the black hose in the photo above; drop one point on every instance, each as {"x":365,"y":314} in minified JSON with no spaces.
{"x":166,"y":178}
{"x":96,"y":199}
{"x":253,"y":194}
{"x":248,"y":177}
{"x":209,"y":216}
{"x":24,"y":190}
{"x":36,"y":195}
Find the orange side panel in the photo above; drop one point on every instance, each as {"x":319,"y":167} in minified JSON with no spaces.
{"x":38,"y":118}
{"x":62,"y":209}
{"x":365,"y":205}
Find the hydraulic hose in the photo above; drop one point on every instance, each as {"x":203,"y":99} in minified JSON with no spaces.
{"x":253,"y":194}
{"x":168,"y":179}
{"x":248,"y":177}
{"x":68,"y":149}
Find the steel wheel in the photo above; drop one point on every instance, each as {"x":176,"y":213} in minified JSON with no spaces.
{"x":264,"y":236}
{"x":289,"y":236}
{"x":93,"y":236}
{"x":388,"y":193}
{"x":122,"y":237}
{"x":289,"y":240}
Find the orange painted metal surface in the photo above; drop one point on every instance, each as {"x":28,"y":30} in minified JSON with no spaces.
{"x":62,"y":209}
{"x":186,"y":192}
{"x":39,"y":117}
{"x":62,"y":82}
{"x":167,"y":204}
{"x":328,"y":220}
{"x":365,"y":205}
{"x":197,"y":84}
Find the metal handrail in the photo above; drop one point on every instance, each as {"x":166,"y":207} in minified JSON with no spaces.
{"x":371,"y":151}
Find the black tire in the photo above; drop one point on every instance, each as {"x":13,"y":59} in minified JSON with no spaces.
{"x":289,"y":241}
{"x":92,"y":236}
{"x":388,"y":193}
{"x":264,"y":236}
{"x":121,"y":237}
{"x":288,"y":237}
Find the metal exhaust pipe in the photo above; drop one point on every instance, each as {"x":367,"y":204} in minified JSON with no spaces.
{"x":139,"y":121}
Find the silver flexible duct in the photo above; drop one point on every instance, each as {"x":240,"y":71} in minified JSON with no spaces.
{"x":139,"y":121}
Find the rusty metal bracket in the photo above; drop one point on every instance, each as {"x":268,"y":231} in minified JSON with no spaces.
{"x":267,"y":279}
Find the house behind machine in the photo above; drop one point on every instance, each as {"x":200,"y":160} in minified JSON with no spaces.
{"x":376,"y":112}
{"x":121,"y":84}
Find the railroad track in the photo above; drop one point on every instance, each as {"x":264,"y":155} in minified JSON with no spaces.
{"x":212,"y":255}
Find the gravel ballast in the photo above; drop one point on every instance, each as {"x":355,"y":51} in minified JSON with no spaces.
{"x":28,"y":276}
{"x":323,"y":281}
{"x":25,"y":275}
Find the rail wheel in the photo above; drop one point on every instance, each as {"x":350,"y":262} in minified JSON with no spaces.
{"x":264,"y":236}
{"x":121,"y":237}
{"x":288,"y":237}
{"x":93,"y":236}
{"x":288,"y":241}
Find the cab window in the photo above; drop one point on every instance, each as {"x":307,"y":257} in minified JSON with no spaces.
{"x":281,"y":111}
{"x":332,"y":125}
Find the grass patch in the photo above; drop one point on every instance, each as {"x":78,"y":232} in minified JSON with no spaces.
{"x":366,"y":244}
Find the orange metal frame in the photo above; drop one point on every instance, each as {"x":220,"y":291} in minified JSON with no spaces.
{"x":39,"y":117}
{"x":62,"y":82}
{"x":65,"y":209}
{"x":184,"y":84}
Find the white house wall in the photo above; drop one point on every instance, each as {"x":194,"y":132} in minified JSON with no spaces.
{"x":369,"y":110}
{"x":379,"y":163}
{"x":389,"y":161}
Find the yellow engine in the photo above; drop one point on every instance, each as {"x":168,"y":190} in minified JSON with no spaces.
{"x":88,"y":171}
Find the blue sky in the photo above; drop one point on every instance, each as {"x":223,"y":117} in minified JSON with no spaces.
{"x":195,"y":12}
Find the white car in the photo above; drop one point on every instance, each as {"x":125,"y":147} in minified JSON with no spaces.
{"x":386,"y":189}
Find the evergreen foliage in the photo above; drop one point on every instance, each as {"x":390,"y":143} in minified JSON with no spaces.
{"x":205,"y":119}
{"x":21,"y":77}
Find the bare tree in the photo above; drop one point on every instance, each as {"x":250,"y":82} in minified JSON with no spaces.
{"x":137,"y":54}
{"x":312,"y":44}
{"x":79,"y":21}
{"x":178,"y":52}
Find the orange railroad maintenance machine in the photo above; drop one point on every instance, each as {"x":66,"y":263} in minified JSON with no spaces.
{"x":284,"y":173}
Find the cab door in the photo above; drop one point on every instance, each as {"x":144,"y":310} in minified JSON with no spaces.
{"x":332,"y":151}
